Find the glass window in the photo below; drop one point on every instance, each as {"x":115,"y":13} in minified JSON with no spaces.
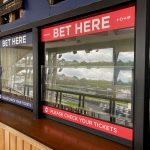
{"x":17,"y":72}
{"x":92,"y":75}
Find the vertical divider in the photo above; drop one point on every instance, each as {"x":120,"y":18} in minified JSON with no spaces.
{"x":142,"y":79}
{"x":38,"y":61}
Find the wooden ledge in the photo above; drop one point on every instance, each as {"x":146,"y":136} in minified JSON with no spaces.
{"x":53,"y":134}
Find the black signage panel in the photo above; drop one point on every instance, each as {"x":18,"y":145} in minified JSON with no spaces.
{"x":19,"y":39}
{"x":20,"y":102}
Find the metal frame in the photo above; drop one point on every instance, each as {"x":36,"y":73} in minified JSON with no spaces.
{"x":38,"y":55}
{"x":39,"y":48}
{"x":142,"y":79}
{"x":141,"y":85}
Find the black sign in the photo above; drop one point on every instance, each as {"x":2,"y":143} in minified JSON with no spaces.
{"x":19,"y":102}
{"x":20,"y":39}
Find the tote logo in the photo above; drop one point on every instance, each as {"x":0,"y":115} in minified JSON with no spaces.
{"x":118,"y":19}
{"x":46,"y":109}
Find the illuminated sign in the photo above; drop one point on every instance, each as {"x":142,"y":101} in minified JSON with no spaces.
{"x":113,"y":129}
{"x":118,"y":19}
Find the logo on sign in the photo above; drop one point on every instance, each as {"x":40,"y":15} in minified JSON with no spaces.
{"x":46,"y":109}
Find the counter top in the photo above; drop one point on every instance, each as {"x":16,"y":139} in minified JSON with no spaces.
{"x":53,"y":134}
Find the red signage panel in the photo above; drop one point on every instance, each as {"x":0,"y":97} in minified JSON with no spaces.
{"x":113,"y":129}
{"x":118,"y":19}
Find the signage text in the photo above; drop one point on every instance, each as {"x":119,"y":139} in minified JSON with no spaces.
{"x":14,"y":41}
{"x":118,"y":19}
{"x":113,"y":129}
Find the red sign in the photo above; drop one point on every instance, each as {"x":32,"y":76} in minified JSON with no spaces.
{"x":113,"y":129}
{"x":118,"y":19}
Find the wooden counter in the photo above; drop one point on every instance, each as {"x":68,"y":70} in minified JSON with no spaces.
{"x":53,"y":134}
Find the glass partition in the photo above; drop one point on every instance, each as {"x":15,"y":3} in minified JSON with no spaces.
{"x":92,"y":75}
{"x":17,"y":72}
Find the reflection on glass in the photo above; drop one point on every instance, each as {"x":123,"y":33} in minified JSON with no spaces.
{"x":126,"y":59}
{"x":97,"y":108}
{"x":90,"y":56}
{"x":17,"y":72}
{"x":125,"y":77}
{"x":123,"y":113}
{"x":70,"y":102}
{"x":91,"y":75}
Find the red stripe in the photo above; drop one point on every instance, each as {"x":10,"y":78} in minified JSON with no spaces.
{"x":113,"y":129}
{"x":123,"y":18}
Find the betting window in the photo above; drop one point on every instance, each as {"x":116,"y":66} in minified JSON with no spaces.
{"x":17,"y":69}
{"x":86,"y":74}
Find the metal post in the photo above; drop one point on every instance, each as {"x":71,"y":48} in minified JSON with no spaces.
{"x":38,"y":61}
{"x":141,"y":86}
